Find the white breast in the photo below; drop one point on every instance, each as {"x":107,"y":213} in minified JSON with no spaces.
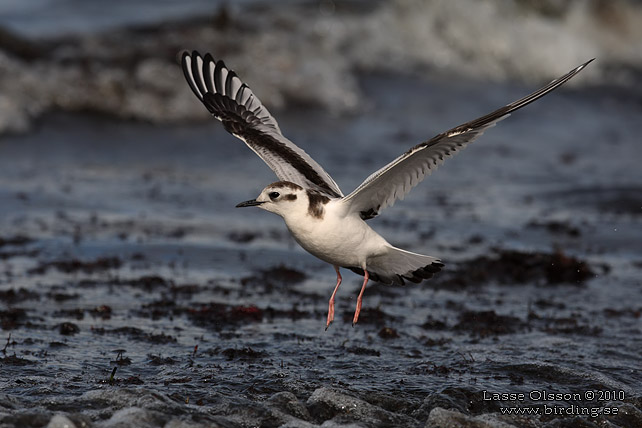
{"x":336,"y":238}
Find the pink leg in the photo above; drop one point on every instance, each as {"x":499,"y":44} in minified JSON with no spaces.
{"x":331,"y":302}
{"x":363,"y":288}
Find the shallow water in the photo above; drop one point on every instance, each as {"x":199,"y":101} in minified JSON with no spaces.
{"x":121,"y":249}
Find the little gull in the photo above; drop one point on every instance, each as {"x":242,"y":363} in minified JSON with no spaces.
{"x":322,"y":220}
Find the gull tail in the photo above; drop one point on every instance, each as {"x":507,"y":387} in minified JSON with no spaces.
{"x":396,"y":266}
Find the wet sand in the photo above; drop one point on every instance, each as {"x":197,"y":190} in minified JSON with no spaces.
{"x":132,"y":292}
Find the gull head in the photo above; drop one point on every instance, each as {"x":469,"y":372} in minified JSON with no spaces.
{"x":283,"y":198}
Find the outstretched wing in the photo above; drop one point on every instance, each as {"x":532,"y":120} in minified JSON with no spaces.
{"x":395,"y":180}
{"x":233,"y":103}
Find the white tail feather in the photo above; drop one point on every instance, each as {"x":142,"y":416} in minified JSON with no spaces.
{"x":397,"y":266}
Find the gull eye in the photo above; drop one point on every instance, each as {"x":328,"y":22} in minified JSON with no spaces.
{"x":274,"y":195}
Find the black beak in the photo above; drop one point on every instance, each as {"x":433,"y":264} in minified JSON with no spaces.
{"x":250,"y":203}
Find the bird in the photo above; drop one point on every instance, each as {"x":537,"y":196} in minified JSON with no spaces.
{"x":325,"y":222}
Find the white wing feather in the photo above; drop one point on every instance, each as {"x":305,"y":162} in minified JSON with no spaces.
{"x":242,"y":113}
{"x":382,"y":188}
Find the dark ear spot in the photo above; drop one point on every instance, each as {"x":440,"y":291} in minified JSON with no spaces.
{"x":317,"y":201}
{"x":290,"y":197}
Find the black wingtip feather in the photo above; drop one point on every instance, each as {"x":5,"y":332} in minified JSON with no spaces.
{"x":585,"y":64}
{"x":187,"y":63}
{"x":228,"y":84}
{"x":208,"y":60}
{"x":196,"y":73}
{"x":224,"y":108}
{"x":510,"y":108}
{"x":220,"y":85}
{"x":212,"y":102}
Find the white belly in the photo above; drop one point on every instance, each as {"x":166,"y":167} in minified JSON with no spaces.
{"x":345,"y":241}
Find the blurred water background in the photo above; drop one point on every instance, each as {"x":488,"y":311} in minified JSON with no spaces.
{"x":121,"y":249}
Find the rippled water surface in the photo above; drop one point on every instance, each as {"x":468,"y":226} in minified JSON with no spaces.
{"x":133,"y":292}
